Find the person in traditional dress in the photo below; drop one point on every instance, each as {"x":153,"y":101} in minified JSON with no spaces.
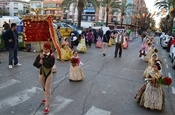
{"x":45,"y":61}
{"x":150,"y":64}
{"x":90,"y":37}
{"x":151,"y":94}
{"x":111,"y":39}
{"x":75,"y":72}
{"x":99,"y":42}
{"x":66,"y":52}
{"x":125,"y":44}
{"x":150,"y":51}
{"x":82,"y":44}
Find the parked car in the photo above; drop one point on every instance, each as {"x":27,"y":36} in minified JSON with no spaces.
{"x":173,"y":61}
{"x":161,"y":36}
{"x":172,"y":52}
{"x":62,"y":24}
{"x":164,"y":41}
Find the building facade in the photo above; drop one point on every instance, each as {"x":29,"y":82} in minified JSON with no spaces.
{"x":53,"y":7}
{"x":89,"y":14}
{"x":14,"y":7}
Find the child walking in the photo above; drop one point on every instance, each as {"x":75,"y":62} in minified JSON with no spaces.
{"x":75,"y":72}
{"x":45,"y":61}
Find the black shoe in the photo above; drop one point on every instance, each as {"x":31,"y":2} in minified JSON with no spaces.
{"x":115,"y":56}
{"x":119,"y":56}
{"x":104,"y":54}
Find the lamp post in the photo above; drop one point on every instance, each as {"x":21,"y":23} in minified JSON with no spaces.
{"x":66,"y":11}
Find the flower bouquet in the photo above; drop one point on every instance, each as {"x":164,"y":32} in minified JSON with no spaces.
{"x":165,"y":81}
{"x":74,"y":61}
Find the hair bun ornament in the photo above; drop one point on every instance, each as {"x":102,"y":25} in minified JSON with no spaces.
{"x":158,"y":65}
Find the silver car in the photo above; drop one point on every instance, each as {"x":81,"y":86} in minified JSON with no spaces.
{"x":164,"y":41}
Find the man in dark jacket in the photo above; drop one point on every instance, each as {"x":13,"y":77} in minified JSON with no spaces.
{"x":11,"y":37}
{"x":118,"y":46}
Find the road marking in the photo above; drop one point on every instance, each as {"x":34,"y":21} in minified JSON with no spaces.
{"x":56,"y":82}
{"x":8,"y":83}
{"x":17,"y":99}
{"x":173,"y":90}
{"x":165,"y":60}
{"x":96,"y":111}
{"x":85,"y":66}
{"x":39,"y":88}
{"x":167,"y":66}
{"x":169,"y":75}
{"x":61,"y":103}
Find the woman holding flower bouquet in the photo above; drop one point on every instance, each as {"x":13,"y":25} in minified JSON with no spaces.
{"x":75,"y":72}
{"x":151,"y":94}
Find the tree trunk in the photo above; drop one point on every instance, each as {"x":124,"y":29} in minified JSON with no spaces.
{"x":80,"y":9}
{"x":107,"y":11}
{"x":172,"y":16}
{"x":121,"y":21}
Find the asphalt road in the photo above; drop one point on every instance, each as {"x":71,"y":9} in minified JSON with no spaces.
{"x":109,"y":86}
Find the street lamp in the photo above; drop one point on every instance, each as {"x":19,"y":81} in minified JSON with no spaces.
{"x":66,"y":11}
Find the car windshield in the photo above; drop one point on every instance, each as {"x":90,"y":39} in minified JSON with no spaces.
{"x":64,"y":25}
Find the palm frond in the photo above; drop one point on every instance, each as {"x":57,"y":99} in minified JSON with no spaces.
{"x":66,"y":4}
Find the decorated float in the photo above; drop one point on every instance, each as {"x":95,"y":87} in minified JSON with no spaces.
{"x":40,"y":29}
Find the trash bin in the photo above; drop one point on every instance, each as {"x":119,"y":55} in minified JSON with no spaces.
{"x":21,"y":40}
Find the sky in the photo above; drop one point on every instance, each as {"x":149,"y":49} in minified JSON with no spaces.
{"x":150,"y":5}
{"x":152,"y":9}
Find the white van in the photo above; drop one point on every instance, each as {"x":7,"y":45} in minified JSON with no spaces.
{"x":9,"y":19}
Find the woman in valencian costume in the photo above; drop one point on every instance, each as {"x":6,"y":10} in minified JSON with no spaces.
{"x":151,"y":94}
{"x":82,"y":44}
{"x":150,"y":64}
{"x":75,"y":72}
{"x":151,"y":52}
{"x":66,"y":52}
{"x":125,"y":44}
{"x":45,"y":61}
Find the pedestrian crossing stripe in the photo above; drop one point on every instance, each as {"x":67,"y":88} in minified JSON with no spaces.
{"x":96,"y":111}
{"x":8,"y":83}
{"x":59,"y":104}
{"x":17,"y":99}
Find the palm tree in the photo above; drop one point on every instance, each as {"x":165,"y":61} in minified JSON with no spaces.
{"x":169,"y":6}
{"x":81,"y":5}
{"x":107,"y":4}
{"x":123,"y":8}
